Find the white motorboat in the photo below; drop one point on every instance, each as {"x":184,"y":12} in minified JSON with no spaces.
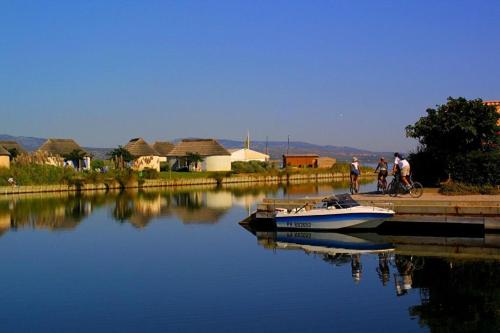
{"x":331,"y":213}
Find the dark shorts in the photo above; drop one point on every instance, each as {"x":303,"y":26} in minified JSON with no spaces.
{"x":355,"y":173}
{"x":382,"y":174}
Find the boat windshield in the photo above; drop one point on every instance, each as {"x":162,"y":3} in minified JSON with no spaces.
{"x":340,"y":201}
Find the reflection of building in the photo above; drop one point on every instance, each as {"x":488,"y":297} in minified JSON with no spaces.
{"x":219,"y":199}
{"x":248,"y":200}
{"x":51,"y":213}
{"x":5,"y":222}
{"x":145,"y":156}
{"x":300,"y":160}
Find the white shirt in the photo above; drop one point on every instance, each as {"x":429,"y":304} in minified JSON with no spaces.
{"x":403,"y":163}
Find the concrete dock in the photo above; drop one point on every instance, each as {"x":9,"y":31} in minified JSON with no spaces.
{"x":431,"y":207}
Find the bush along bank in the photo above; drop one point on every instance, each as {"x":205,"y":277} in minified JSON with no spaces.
{"x":43,"y":178}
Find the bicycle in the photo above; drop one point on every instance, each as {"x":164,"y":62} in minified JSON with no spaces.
{"x":396,"y":186}
{"x":382,"y":184}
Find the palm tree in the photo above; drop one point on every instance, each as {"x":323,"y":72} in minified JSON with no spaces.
{"x":120,"y":156}
{"x":75,"y":155}
{"x":193,"y":158}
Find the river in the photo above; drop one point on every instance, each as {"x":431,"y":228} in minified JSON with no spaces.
{"x":178,"y":261}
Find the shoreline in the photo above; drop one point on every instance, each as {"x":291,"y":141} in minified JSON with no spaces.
{"x":159,"y":183}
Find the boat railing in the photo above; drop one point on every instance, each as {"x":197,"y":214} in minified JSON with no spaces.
{"x":386,"y":205}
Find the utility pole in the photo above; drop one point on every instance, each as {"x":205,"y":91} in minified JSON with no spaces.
{"x":288,"y":146}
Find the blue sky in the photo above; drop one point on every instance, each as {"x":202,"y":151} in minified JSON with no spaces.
{"x":349,"y":73}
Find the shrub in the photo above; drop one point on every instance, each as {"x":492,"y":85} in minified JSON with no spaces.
{"x":454,"y":188}
{"x":251,"y":167}
{"x":36,"y":174}
{"x":164,"y":166}
{"x":97,"y":164}
{"x":148,"y":173}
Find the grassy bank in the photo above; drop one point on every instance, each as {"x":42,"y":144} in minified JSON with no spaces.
{"x":35,"y":174}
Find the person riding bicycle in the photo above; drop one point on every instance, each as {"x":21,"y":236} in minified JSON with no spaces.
{"x":401,"y":169}
{"x":382,"y":170}
{"x":355,"y":173}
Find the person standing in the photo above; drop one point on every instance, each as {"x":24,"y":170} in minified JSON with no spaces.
{"x":355,"y":173}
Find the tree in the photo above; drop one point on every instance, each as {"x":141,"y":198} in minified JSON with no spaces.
{"x":193,"y":158}
{"x":120,"y":156}
{"x":458,"y":141}
{"x":76,"y":155}
{"x":13,"y":153}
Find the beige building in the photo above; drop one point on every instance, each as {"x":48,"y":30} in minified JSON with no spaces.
{"x":164,"y":148}
{"x":215,"y":156}
{"x":56,"y":151}
{"x":145,"y":156}
{"x":4,"y":158}
{"x":247,"y":155}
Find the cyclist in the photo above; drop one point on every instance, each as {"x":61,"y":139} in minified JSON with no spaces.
{"x":404,"y":167}
{"x":401,"y":169}
{"x":382,"y":171}
{"x":395,"y":167}
{"x":355,"y":173}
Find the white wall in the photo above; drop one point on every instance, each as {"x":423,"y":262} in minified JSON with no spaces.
{"x":216,"y":163}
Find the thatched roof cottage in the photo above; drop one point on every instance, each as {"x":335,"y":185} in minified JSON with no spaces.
{"x":163,"y":148}
{"x":144,"y":155}
{"x":58,"y":151}
{"x":10,"y":145}
{"x":215,"y":156}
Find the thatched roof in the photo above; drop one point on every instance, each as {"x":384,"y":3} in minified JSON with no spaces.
{"x":13,"y":145}
{"x":163,"y":147}
{"x":204,"y":147}
{"x":138,"y":147}
{"x":4,"y":152}
{"x":60,"y":146}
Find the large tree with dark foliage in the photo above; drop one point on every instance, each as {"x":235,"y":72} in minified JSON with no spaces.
{"x":458,"y":141}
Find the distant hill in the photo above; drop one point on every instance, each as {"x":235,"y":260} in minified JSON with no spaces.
{"x":28,"y":142}
{"x":32,"y":143}
{"x":274,"y":148}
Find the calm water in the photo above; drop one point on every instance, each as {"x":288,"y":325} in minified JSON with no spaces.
{"x":180,"y":262}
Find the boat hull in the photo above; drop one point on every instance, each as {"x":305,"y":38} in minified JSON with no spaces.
{"x":331,"y":221}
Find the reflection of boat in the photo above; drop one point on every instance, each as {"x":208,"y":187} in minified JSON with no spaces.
{"x":335,"y":212}
{"x":327,"y":242}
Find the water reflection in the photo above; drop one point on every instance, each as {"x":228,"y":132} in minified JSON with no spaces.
{"x":196,"y":205}
{"x":445,"y":282}
{"x":455,"y":277}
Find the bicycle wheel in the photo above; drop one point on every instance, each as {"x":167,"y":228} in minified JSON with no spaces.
{"x":416,"y":190}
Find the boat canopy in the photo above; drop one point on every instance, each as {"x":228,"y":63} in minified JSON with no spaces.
{"x":340,"y":201}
